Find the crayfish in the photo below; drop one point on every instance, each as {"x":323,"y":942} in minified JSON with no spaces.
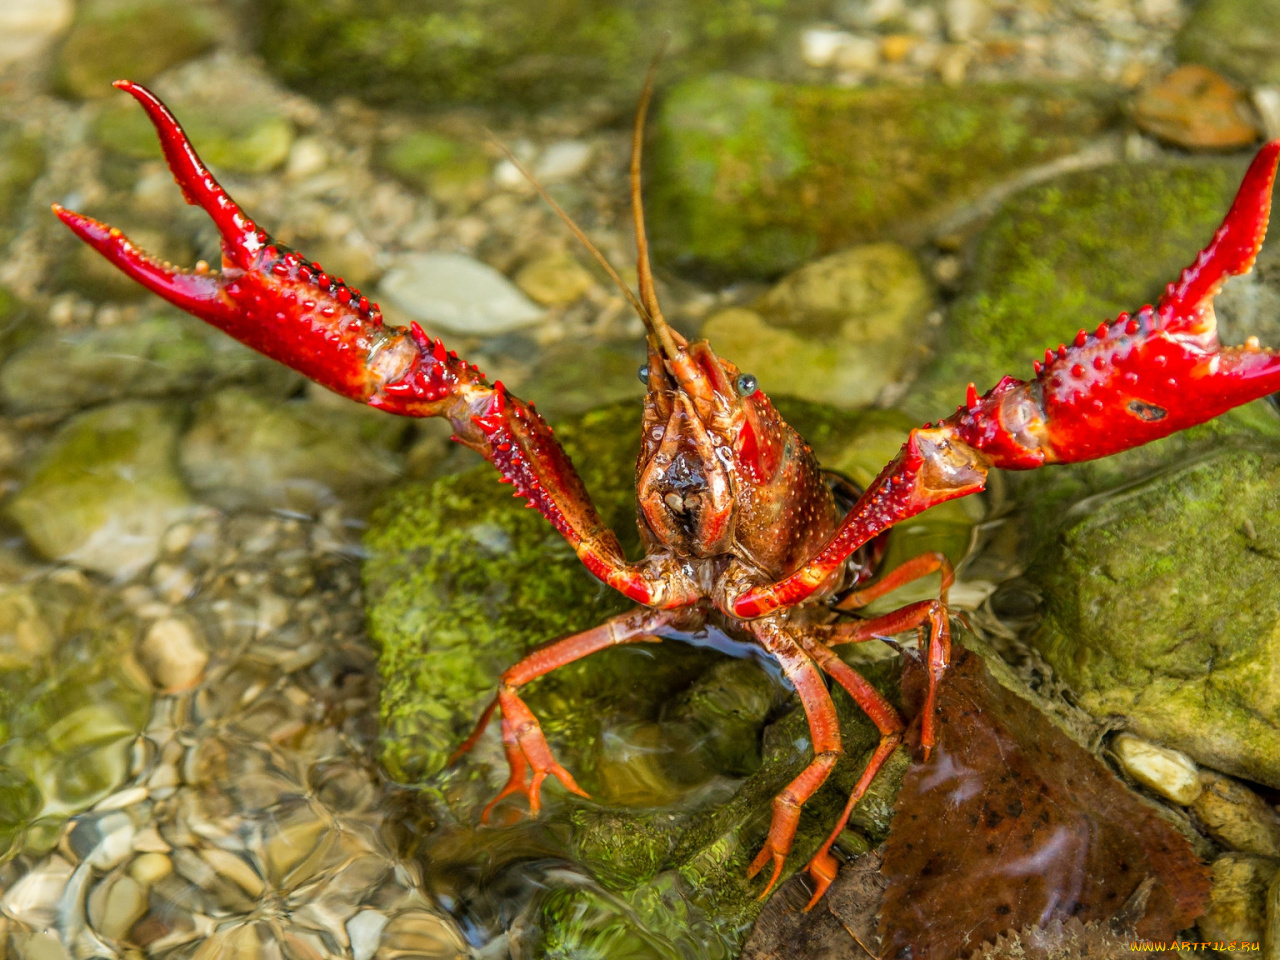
{"x":739,"y":522}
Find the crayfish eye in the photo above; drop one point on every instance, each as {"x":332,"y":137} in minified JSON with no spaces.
{"x":643,"y":374}
{"x":746,"y":384}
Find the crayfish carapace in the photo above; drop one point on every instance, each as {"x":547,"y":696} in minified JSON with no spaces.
{"x":737,"y":517}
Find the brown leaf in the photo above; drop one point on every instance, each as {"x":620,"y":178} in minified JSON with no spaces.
{"x":842,"y":926}
{"x":1011,"y":825}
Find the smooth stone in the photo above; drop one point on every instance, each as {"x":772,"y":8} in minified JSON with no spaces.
{"x":34,"y":898}
{"x":105,"y":489}
{"x":555,"y":279}
{"x":1237,"y":817}
{"x":1237,"y":909}
{"x":173,"y":655}
{"x":819,"y":45}
{"x":43,"y":946}
{"x":562,"y":160}
{"x":836,"y":331}
{"x":245,"y":450}
{"x":1240,"y":38}
{"x":115,"y":905}
{"x":458,"y":294}
{"x":148,"y":868}
{"x":102,"y":840}
{"x":162,"y":354}
{"x":755,"y":178}
{"x":138,"y":39}
{"x":1170,"y":773}
{"x":417,"y":933}
{"x":1196,"y":108}
{"x":27,"y":26}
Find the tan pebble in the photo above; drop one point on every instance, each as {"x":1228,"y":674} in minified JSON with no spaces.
{"x":1170,"y":773}
{"x":34,"y":898}
{"x":417,"y":932}
{"x":1238,"y":900}
{"x":234,"y":869}
{"x":150,"y":867}
{"x":115,"y":905}
{"x":554,"y":279}
{"x":173,"y":655}
{"x":43,"y":946}
{"x":1196,"y":108}
{"x":896,"y":47}
{"x":178,"y":537}
{"x":1236,"y":816}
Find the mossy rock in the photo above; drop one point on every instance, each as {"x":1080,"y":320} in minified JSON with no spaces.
{"x":682,"y":749}
{"x":1240,"y":38}
{"x":515,"y":53}
{"x":235,"y":137}
{"x":754,"y":178}
{"x":134,"y":39}
{"x":104,"y":489}
{"x":1069,"y":254}
{"x":1161,"y":608}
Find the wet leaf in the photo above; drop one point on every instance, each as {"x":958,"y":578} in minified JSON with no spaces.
{"x":842,"y":926}
{"x":1011,"y":825}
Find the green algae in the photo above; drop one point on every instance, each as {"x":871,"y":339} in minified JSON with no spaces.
{"x":137,"y":39}
{"x":1161,"y":606}
{"x":514,"y":53}
{"x":751,"y":177}
{"x":1069,"y":254}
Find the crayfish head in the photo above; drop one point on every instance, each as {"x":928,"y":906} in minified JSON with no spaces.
{"x":720,"y":472}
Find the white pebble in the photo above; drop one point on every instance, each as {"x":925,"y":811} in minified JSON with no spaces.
{"x":563,"y":160}
{"x":1170,"y":773}
{"x":818,"y":45}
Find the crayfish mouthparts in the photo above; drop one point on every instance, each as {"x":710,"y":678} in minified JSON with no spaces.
{"x":738,"y":515}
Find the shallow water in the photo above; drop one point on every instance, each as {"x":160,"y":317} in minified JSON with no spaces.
{"x":189,"y":697}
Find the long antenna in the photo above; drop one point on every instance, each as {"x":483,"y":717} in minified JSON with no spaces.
{"x":577,"y":232}
{"x":644,"y":272}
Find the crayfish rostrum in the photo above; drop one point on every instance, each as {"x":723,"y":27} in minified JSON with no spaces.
{"x":740,"y":523}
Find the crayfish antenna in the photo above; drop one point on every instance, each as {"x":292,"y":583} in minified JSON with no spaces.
{"x":657,"y":324}
{"x":576,"y":230}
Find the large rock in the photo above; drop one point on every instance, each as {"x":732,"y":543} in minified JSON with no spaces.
{"x":517,"y":53}
{"x":836,"y":331}
{"x":105,"y":489}
{"x":157,"y":356}
{"x":1161,"y":607}
{"x":1240,"y":38}
{"x":1069,"y":254}
{"x":231,"y":135}
{"x":751,"y":177}
{"x":678,"y":746}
